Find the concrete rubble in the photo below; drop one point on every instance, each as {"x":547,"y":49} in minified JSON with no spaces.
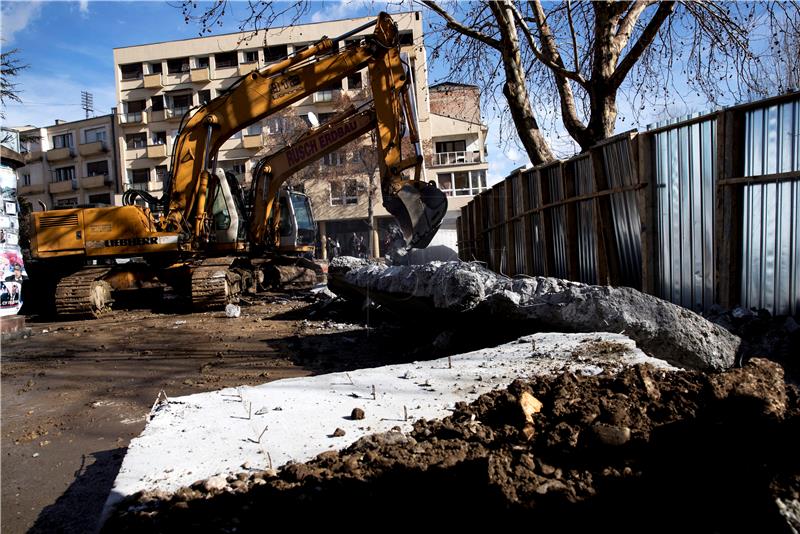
{"x":662,"y":329}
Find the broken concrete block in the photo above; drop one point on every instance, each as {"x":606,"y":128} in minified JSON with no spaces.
{"x":660,"y":328}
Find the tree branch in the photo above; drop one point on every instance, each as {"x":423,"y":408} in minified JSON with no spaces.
{"x":453,"y":24}
{"x":554,"y":61}
{"x":628,"y":22}
{"x":648,"y":34}
{"x":573,"y":35}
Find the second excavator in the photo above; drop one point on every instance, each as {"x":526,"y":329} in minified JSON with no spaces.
{"x":200,"y":238}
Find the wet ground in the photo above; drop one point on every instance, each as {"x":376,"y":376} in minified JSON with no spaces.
{"x":75,"y":392}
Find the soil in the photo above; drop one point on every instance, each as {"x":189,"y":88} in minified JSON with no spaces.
{"x":75,"y":392}
{"x":641,"y":451}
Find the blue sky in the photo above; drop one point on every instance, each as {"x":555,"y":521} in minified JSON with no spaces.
{"x":69,"y":48}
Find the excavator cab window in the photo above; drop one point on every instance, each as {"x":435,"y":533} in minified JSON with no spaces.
{"x":306,"y":228}
{"x":284,"y":225}
{"x":219,"y":211}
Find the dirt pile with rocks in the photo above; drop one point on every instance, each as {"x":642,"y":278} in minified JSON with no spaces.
{"x":660,"y":328}
{"x":644,"y":450}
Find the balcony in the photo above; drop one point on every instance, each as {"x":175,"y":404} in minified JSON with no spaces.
{"x":155,"y":186}
{"x":98,"y":180}
{"x":157,"y":151}
{"x":153,"y":81}
{"x":95,"y":147}
{"x":176,"y":113}
{"x":33,"y":155}
{"x":252,"y":141}
{"x":247,"y":68}
{"x":57,"y":154}
{"x":442,"y":159}
{"x":62,"y":187}
{"x":199,"y":75}
{"x":31,"y":189}
{"x":134,"y":117}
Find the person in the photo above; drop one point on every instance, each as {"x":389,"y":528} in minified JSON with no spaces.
{"x":353,"y":244}
{"x":16,"y":275}
{"x":361,"y":246}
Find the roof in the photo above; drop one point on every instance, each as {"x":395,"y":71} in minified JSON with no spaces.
{"x":444,"y":85}
{"x":276,"y":28}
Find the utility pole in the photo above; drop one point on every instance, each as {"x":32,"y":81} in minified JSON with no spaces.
{"x":87,"y":102}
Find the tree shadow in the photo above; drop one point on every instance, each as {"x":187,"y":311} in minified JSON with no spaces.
{"x":79,"y":508}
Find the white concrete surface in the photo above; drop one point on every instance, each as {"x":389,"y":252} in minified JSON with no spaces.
{"x":195,"y":437}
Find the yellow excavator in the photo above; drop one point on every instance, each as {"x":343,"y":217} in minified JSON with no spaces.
{"x":200,"y":238}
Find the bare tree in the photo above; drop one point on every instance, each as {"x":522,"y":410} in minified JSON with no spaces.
{"x":10,"y":68}
{"x":576,"y":57}
{"x":569,"y":61}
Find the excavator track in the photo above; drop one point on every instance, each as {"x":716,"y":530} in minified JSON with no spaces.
{"x":84,"y":294}
{"x":214,"y":284}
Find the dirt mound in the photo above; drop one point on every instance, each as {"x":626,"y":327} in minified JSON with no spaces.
{"x":644,"y":450}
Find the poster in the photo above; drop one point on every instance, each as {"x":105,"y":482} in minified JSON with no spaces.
{"x":12,"y":268}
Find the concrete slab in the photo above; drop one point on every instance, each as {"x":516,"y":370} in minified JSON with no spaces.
{"x":198,"y":436}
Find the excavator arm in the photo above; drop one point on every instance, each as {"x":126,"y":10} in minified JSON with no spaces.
{"x":419,"y":207}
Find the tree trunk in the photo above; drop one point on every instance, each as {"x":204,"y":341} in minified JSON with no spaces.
{"x":516,"y":91}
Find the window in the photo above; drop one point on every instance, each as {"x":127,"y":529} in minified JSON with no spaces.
{"x":64,"y":174}
{"x":325,"y":117}
{"x":178,"y":65}
{"x":275,"y":125}
{"x":157,"y":103}
{"x":155,"y":68}
{"x":62,"y":141}
{"x":161,"y":173}
{"x":67,"y":202}
{"x":238,"y":167}
{"x":135,"y":109}
{"x":344,"y":193}
{"x":94,"y":134}
{"x":26,"y":179}
{"x":97,"y":168}
{"x":159,"y":138}
{"x":306,"y":119}
{"x":140,"y":176}
{"x":462,"y":183}
{"x":254,"y":129}
{"x":225,"y":59}
{"x":251,"y":56}
{"x":204,"y":96}
{"x":323,"y":96}
{"x":237,"y":135}
{"x":136,"y":140}
{"x":201,"y":62}
{"x":275,"y":53}
{"x":131,"y":71}
{"x":406,"y":38}
{"x":354,"y":81}
{"x":451,"y":146}
{"x":333,"y":159}
{"x":181,"y":103}
{"x":102,"y":198}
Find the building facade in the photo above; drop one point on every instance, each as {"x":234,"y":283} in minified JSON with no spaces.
{"x":69,"y":164}
{"x":158,"y":83}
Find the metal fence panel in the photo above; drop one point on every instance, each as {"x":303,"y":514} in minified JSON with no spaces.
{"x":535,"y":223}
{"x":520,"y":263}
{"x":619,"y":169}
{"x":587,"y":225}
{"x":558,"y":220}
{"x":771,"y":226}
{"x":684,"y":166}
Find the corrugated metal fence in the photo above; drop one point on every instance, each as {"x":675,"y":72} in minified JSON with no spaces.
{"x":700,"y":212}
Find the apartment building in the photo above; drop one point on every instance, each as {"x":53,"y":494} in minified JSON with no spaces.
{"x":69,"y":164}
{"x":158,"y":83}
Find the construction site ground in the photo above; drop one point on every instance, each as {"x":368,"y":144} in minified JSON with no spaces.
{"x":74,"y":393}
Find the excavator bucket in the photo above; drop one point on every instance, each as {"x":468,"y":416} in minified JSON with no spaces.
{"x":419,"y":211}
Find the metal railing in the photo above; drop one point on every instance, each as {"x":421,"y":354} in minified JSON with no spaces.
{"x":456,"y":158}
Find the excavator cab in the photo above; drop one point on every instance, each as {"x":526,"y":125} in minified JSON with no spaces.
{"x":296,"y":228}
